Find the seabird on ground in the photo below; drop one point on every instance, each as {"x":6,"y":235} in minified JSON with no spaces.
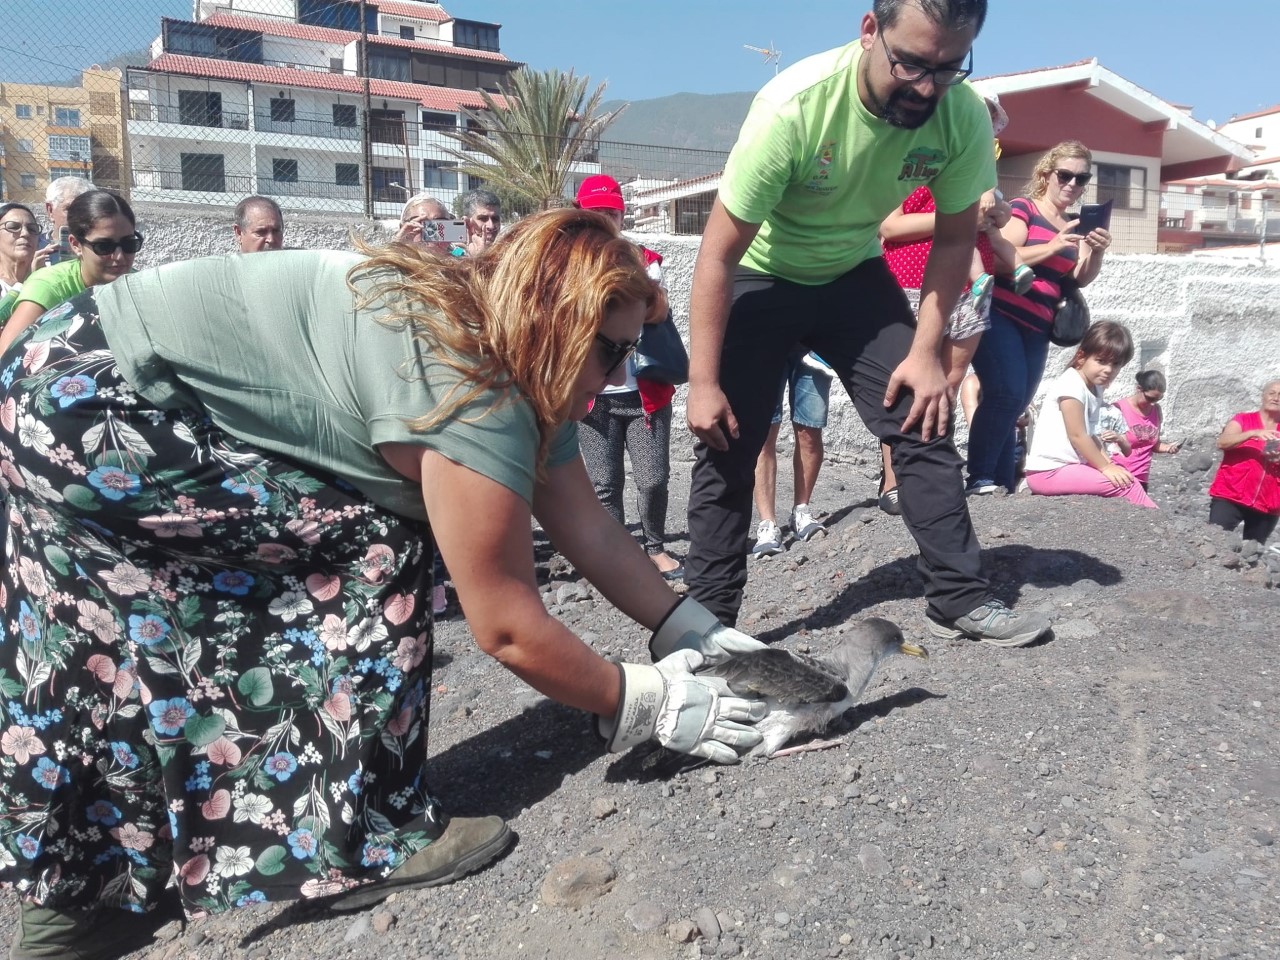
{"x":806,"y":694}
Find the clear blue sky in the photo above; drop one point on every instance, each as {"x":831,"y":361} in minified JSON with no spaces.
{"x":1218,"y":57}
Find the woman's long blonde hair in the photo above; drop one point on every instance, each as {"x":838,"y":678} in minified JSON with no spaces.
{"x":524,"y":313}
{"x":1048,"y":164}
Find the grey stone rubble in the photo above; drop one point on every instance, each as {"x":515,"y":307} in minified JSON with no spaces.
{"x":1110,"y":793}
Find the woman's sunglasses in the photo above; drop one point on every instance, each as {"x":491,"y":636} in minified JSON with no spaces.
{"x":1066,"y":176}
{"x":13,"y":226}
{"x":105,"y":248}
{"x":615,"y":354}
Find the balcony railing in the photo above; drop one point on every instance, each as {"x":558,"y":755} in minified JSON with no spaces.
{"x":308,"y":67}
{"x":381,"y":131}
{"x":158,"y":113}
{"x":305,"y":126}
{"x":327,"y":190}
{"x":210,"y":182}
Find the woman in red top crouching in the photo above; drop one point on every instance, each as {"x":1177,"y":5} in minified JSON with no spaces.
{"x":1246,"y":487}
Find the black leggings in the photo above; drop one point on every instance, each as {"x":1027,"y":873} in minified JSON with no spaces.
{"x":1228,"y":515}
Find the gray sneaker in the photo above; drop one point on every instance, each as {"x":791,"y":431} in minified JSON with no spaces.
{"x":992,"y":623}
{"x":768,"y":540}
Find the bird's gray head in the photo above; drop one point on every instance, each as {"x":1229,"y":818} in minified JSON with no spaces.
{"x":872,"y":640}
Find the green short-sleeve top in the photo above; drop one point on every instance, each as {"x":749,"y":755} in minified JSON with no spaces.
{"x":272,"y":346}
{"x":819,"y":172}
{"x":48,"y":286}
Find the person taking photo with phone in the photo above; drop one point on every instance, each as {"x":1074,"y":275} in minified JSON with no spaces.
{"x":104,"y":238}
{"x":1011,"y":356}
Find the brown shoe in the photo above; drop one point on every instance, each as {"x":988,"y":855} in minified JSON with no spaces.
{"x":467,"y":844}
{"x":44,"y":933}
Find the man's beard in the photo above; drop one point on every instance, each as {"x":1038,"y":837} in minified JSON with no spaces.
{"x":892,"y":111}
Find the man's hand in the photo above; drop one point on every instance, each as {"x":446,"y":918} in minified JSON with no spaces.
{"x":931,"y":406}
{"x":710,"y":416}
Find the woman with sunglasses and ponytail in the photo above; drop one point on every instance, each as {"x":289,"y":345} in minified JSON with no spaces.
{"x":104,"y":240}
{"x":1011,"y":356}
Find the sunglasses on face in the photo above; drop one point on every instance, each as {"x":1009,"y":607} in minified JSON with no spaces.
{"x":106,"y":247}
{"x":14,"y":226}
{"x":1066,"y":176}
{"x":615,"y":354}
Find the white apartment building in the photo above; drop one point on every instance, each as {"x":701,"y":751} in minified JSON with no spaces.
{"x":265,"y":96}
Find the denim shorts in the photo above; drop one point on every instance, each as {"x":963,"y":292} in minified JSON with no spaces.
{"x":810,"y":392}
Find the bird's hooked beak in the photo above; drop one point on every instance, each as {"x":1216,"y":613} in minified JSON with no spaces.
{"x":913,"y":650}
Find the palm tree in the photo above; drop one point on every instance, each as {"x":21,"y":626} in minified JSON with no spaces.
{"x":532,"y":135}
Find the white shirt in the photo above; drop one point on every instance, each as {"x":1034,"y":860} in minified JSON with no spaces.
{"x":1051,"y":447}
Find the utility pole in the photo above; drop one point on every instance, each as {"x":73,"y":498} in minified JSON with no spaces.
{"x":362,"y":67}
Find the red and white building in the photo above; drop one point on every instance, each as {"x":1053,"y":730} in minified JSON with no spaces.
{"x":1139,"y":141}
{"x":266,"y":97}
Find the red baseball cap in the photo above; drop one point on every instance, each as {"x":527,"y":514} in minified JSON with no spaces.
{"x":600,"y":191}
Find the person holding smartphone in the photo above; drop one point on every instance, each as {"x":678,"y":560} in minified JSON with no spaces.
{"x":1143,"y":417}
{"x":1011,"y":356}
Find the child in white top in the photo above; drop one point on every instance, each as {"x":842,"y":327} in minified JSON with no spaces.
{"x":1068,"y":452}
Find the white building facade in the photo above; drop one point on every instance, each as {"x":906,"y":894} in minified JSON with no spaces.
{"x":267,"y":97}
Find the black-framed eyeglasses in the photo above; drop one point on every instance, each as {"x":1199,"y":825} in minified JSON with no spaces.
{"x":942,"y":76}
{"x":13,"y":226}
{"x":615,"y":354}
{"x":106,"y":247}
{"x":1066,"y":176}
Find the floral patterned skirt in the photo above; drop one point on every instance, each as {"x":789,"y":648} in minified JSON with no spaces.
{"x":215,"y":662}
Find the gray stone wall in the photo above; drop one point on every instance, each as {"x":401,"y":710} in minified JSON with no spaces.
{"x":1211,"y":323}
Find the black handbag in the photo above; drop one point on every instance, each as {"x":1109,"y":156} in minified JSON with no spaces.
{"x":660,"y":354}
{"x":1071,"y":318}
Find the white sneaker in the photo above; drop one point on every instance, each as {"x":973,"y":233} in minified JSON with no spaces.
{"x":768,"y":539}
{"x":803,"y":525}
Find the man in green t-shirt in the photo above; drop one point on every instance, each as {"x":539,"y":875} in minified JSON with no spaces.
{"x":791,"y":255}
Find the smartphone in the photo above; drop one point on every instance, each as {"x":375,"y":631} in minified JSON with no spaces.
{"x":64,"y":241}
{"x":1094,"y":216}
{"x":444,"y":231}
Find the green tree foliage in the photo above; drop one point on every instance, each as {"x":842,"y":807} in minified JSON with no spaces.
{"x":533,"y":135}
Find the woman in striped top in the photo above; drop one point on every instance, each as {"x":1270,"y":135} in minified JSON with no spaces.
{"x":1011,"y":357}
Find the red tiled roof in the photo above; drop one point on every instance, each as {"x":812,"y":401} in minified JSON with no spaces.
{"x":299,"y":31}
{"x":418,"y":11}
{"x":433,"y":98}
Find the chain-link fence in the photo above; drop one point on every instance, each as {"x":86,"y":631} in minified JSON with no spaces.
{"x":344,"y":107}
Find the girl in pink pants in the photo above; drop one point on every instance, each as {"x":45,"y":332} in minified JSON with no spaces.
{"x":1068,"y":452}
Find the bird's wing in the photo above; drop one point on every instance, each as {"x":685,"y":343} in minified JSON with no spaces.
{"x":785,"y":676}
